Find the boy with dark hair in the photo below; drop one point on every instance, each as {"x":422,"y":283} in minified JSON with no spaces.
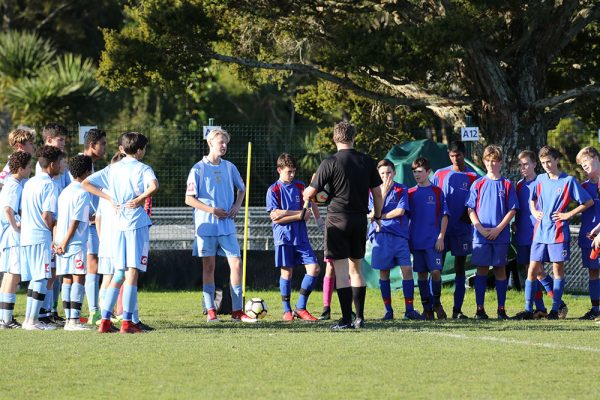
{"x":290,"y":236}
{"x":70,"y":240}
{"x":20,"y":139}
{"x":19,"y":164}
{"x":39,"y":206}
{"x":390,"y":241}
{"x":128,"y":184}
{"x":492,"y":205}
{"x":455,"y":181}
{"x":428,"y":223}
{"x":553,"y":192}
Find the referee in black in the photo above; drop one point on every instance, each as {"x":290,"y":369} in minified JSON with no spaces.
{"x":350,"y":175}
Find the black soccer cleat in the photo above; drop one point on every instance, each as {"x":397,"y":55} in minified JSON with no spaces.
{"x":524,"y":315}
{"x":553,"y":315}
{"x":480,"y":315}
{"x":458,"y":314}
{"x":326,"y":314}
{"x":502,"y":314}
{"x":590,"y":315}
{"x":342,"y":325}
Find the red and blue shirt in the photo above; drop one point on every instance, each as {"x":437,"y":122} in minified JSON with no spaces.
{"x":427,"y":207}
{"x":287,"y":196}
{"x":397,"y":197}
{"x":589,"y":217}
{"x":455,"y":186}
{"x":525,"y":221}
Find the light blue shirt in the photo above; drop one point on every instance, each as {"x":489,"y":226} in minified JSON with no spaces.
{"x":213,"y":185}
{"x":107,"y":215}
{"x":10,"y":197}
{"x":73,"y":205}
{"x":40,"y":194}
{"x":61,"y":181}
{"x":126,"y":180}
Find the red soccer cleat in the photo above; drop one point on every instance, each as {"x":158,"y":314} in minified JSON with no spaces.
{"x":288,"y":316}
{"x":239,"y":315}
{"x":105,"y":326}
{"x":211,"y":316}
{"x":304,"y":315}
{"x":130,"y":327}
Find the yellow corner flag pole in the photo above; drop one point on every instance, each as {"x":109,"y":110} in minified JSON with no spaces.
{"x":246,"y":215}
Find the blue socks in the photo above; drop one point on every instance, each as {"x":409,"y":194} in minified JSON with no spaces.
{"x":77,"y":291}
{"x":208,"y":294}
{"x":559,"y":287}
{"x":236,"y":297}
{"x":285,"y":289}
{"x":308,"y":284}
{"x":480,"y":286}
{"x":66,"y":299}
{"x":548,"y":284}
{"x":501,"y":287}
{"x":38,"y":296}
{"x":459,"y":291}
{"x":386,"y":294}
{"x":112,"y":293}
{"x":55,"y":293}
{"x":595,"y":294}
{"x":424,"y":291}
{"x":530,"y":289}
{"x":436,"y":291}
{"x":91,"y":291}
{"x":539,"y":296}
{"x":408,"y":290}
{"x":129,"y":301}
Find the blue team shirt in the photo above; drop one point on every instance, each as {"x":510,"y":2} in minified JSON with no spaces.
{"x":73,"y":205}
{"x":95,"y":199}
{"x":397,"y":197}
{"x":492,"y":199}
{"x":213,"y":185}
{"x":126,"y":180}
{"x":61,"y":181}
{"x":427,"y":208}
{"x":554,"y":195}
{"x":10,"y":196}
{"x":589,"y":217}
{"x":525,"y":221}
{"x":287,"y":196}
{"x":106,"y":213}
{"x":455,"y":186}
{"x":40,"y":194}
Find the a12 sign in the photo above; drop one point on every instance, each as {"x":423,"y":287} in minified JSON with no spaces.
{"x":469,"y":134}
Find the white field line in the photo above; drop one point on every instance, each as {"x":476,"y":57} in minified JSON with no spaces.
{"x":517,"y":342}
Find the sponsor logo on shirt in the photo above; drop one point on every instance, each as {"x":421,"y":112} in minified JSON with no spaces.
{"x":47,"y":267}
{"x":144,"y":260}
{"x":79,"y":264}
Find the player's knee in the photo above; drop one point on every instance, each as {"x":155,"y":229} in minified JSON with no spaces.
{"x":118,"y":277}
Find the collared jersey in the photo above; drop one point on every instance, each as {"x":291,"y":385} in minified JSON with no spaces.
{"x":40,"y":194}
{"x":492,"y":199}
{"x":427,"y":208}
{"x":214,"y":186}
{"x":456,"y":186}
{"x":73,"y":205}
{"x":525,"y":221}
{"x":10,"y":196}
{"x":287,"y":196}
{"x":591,"y":216}
{"x":396,"y":197}
{"x":551,"y":196}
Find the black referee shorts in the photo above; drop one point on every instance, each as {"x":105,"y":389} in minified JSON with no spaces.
{"x":345,"y":236}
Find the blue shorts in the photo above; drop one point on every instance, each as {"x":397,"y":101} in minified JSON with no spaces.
{"x":93,"y":242}
{"x":130,"y":249}
{"x":427,"y":260}
{"x":291,"y":256}
{"x":389,"y":251}
{"x":35,"y":261}
{"x":224,"y":245}
{"x":489,"y":254}
{"x":71,"y":265}
{"x":10,"y":260}
{"x":105,"y":266}
{"x":523,"y":254}
{"x":555,"y":252}
{"x":460,"y":245}
{"x":586,"y":261}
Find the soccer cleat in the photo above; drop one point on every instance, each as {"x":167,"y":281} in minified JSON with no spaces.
{"x":105,"y":326}
{"x":129,"y":327}
{"x":502,"y":314}
{"x":412,"y":315}
{"x":143,"y":327}
{"x":28,"y":326}
{"x":552,"y":315}
{"x":480,"y":315}
{"x":389,"y":315}
{"x":342,"y":325}
{"x":211,"y":316}
{"x":458,"y":314}
{"x":524,"y":315}
{"x":10,"y":324}
{"x":47,"y":327}
{"x":288,"y":316}
{"x":304,"y":315}
{"x":239,"y":315}
{"x":590,"y":315}
{"x":326,"y":314}
{"x":94,"y":319}
{"x":540,"y":314}
{"x":48,"y":321}
{"x":75,"y":326}
{"x":428,"y":315}
{"x":57,"y":319}
{"x":439,"y":311}
{"x":563,"y":310}
{"x":358,"y":323}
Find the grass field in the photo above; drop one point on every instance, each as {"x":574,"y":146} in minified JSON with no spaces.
{"x":187,"y":358}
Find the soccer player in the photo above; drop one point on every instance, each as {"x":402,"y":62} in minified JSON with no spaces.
{"x":492,"y":205}
{"x":455,"y":181}
{"x":524,"y":223}
{"x":128,"y":184}
{"x":428,"y":224}
{"x":38,"y":217}
{"x":209,"y":191}
{"x":589,"y":159}
{"x":390,"y":241}
{"x":19,"y":164}
{"x":553,"y":192}
{"x":70,"y":240}
{"x":292,"y":247}
{"x":328,"y":286}
{"x":20,"y":139}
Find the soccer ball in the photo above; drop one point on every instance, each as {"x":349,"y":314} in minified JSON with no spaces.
{"x":322,"y":197}
{"x":256,"y":308}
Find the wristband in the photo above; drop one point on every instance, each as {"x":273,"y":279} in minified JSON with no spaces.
{"x":377,"y":218}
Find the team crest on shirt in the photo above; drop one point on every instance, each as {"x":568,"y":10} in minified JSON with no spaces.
{"x":191,"y":187}
{"x":78,"y":264}
{"x":430,"y":200}
{"x":501,"y":193}
{"x":297,"y":199}
{"x":465,"y":186}
{"x":558,"y":190}
{"x":144,"y":260}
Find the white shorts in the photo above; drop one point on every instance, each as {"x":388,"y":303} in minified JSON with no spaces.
{"x":131,"y":248}
{"x":224,"y":245}
{"x":105,"y":266}
{"x":10,"y":260}
{"x":35,"y":261}
{"x":71,"y":265}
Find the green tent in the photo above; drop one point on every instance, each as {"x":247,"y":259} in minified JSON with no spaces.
{"x":402,"y":155}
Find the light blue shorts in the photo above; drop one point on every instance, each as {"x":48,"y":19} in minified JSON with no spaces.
{"x":489,"y":254}
{"x":427,"y":260}
{"x":555,"y":252}
{"x":105,"y":266}
{"x":93,"y":241}
{"x":35,"y":261}
{"x":131,"y":248}
{"x":10,"y":260}
{"x":224,"y":245}
{"x":389,"y":251}
{"x":74,"y":264}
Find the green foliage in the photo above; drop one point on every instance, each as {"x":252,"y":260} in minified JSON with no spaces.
{"x":22,"y":55}
{"x":570,"y":136}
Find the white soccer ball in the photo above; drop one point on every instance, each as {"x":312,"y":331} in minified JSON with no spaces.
{"x":256,"y":308}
